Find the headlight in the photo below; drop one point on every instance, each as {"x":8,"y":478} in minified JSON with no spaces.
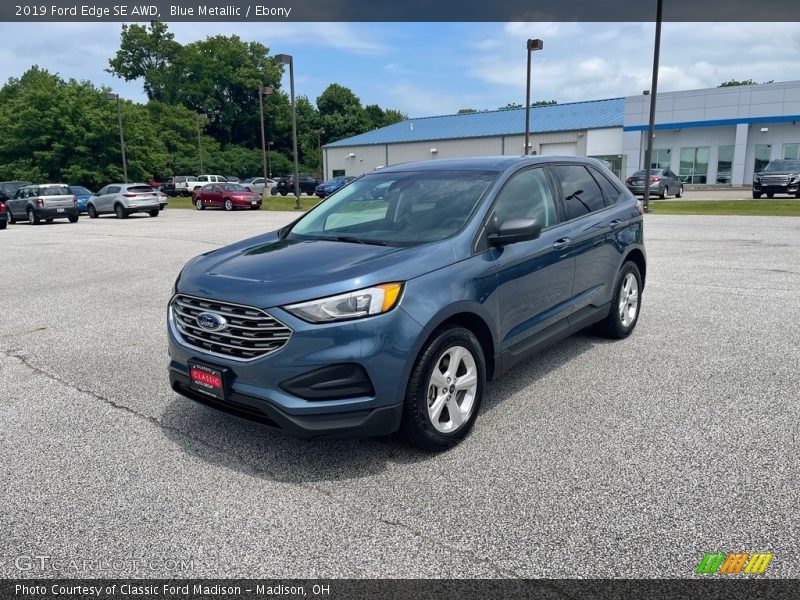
{"x":354,"y":305}
{"x":757,"y":178}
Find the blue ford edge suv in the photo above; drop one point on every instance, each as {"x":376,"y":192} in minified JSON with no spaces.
{"x":389,"y":306}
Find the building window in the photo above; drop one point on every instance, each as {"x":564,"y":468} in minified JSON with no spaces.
{"x":660,"y":158}
{"x":725,"y":164}
{"x":763,"y":154}
{"x":338,"y":173}
{"x":612,"y":161}
{"x":791,"y":151}
{"x":694,"y":164}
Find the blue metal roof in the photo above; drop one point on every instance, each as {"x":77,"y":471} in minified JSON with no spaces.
{"x":594,"y":114}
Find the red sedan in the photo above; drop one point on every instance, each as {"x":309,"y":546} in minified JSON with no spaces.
{"x":225,"y":195}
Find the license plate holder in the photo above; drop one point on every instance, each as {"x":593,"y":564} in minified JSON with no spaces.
{"x":210,"y":381}
{"x":60,"y":210}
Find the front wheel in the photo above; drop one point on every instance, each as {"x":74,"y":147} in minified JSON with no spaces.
{"x":756,"y":196}
{"x":445,"y":390}
{"x":198,"y":204}
{"x":625,"y":305}
{"x":228,"y":204}
{"x":679,"y":193}
{"x":33,"y":218}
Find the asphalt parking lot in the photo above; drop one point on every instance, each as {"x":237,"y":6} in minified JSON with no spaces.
{"x":593,"y":459}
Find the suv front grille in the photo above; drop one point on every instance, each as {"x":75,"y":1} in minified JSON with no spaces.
{"x":249,"y":332}
{"x":775,"y":179}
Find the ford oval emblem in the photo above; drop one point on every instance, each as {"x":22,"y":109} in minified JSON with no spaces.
{"x":211,"y":321}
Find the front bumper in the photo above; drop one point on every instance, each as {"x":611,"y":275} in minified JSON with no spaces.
{"x":789,"y":188}
{"x":382,"y":345}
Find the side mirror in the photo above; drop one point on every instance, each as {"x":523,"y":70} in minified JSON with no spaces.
{"x":515,"y":230}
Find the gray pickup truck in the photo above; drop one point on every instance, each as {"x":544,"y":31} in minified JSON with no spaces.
{"x":43,"y":202}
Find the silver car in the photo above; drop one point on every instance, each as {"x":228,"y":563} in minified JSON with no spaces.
{"x":37,"y":203}
{"x":124,"y":199}
{"x":257,"y":184}
{"x":663,"y":182}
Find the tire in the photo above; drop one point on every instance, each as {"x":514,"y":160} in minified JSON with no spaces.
{"x":119,"y":210}
{"x":770,"y":195}
{"x":797,"y":194}
{"x":3,"y":224}
{"x":423,"y":422}
{"x":756,"y":195}
{"x":48,"y":220}
{"x":11,"y":218}
{"x":664,"y":193}
{"x":284,"y":193}
{"x":92,"y":211}
{"x":33,"y":218}
{"x":273,"y":192}
{"x":153,"y":213}
{"x":73,"y":219}
{"x":228,"y":204}
{"x":198,"y":204}
{"x":679,"y":194}
{"x":623,"y":314}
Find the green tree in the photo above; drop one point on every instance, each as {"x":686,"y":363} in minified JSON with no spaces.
{"x":510,"y":106}
{"x":735,"y":82}
{"x":466,"y":111}
{"x":543,"y":103}
{"x":148,"y":53}
{"x":341,"y":113}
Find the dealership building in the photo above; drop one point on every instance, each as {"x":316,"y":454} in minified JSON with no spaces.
{"x":709,"y":136}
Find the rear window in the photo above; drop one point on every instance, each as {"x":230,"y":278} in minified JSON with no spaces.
{"x":54,"y":190}
{"x":139,"y":189}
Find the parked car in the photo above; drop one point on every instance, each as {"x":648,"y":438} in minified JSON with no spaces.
{"x":156,"y":185}
{"x":308,"y":183}
{"x":663,"y":182}
{"x":232,"y":179}
{"x":177,"y":185}
{"x":226,"y":195}
{"x":3,"y":215}
{"x":280,"y":184}
{"x":778,"y":177}
{"x":205,"y":179}
{"x":367,"y":316}
{"x":43,"y":202}
{"x":124,"y":199}
{"x":82,"y":194}
{"x":330,"y":186}
{"x":163,"y":199}
{"x":9,"y":188}
{"x":257,"y":184}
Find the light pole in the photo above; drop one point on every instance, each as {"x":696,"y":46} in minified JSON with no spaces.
{"x":113,"y":96}
{"x":264,"y":89}
{"x":200,"y":118}
{"x":532,"y":46}
{"x":286,"y":59}
{"x":319,"y":149}
{"x":652,"y":121}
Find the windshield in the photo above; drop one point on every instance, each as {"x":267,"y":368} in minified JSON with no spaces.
{"x":54,"y":190}
{"x":403,"y":208}
{"x":233,"y":187}
{"x":783,"y":165}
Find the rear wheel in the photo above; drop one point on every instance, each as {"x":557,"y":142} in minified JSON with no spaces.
{"x":153,"y":213}
{"x":624,"y":310}
{"x":119,"y":210}
{"x":92,"y":211}
{"x":33,"y":218}
{"x":198,"y":204}
{"x":228,"y":204}
{"x":679,"y":194}
{"x":73,"y":219}
{"x":444,"y":391}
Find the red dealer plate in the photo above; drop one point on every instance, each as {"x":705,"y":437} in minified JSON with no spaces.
{"x":207,"y":380}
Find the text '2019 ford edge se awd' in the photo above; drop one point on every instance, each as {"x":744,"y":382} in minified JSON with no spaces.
{"x":391,"y":304}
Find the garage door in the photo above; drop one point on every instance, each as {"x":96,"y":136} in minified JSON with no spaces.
{"x":562,"y":149}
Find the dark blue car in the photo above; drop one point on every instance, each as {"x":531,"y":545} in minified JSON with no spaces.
{"x":327,"y":188}
{"x":389,"y":306}
{"x":82,"y":194}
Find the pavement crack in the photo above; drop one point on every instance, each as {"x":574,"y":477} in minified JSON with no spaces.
{"x":246,"y":465}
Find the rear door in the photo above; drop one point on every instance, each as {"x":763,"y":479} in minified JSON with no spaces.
{"x":593,"y":220}
{"x":535,"y":277}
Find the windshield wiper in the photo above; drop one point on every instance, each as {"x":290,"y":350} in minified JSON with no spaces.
{"x":355,"y":240}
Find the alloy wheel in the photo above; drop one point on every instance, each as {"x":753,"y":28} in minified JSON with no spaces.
{"x":451,"y":389}
{"x":628,"y":300}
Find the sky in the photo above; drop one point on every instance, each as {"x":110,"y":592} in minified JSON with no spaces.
{"x":426,"y":69}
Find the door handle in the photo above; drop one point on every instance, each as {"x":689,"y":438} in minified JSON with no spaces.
{"x":562,"y":242}
{"x":614,"y":223}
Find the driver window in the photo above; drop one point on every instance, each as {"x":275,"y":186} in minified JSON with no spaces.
{"x":527,"y":195}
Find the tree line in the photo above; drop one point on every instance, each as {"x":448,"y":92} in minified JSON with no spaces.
{"x":52,"y":129}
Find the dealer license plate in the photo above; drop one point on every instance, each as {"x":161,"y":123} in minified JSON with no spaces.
{"x":207,"y":380}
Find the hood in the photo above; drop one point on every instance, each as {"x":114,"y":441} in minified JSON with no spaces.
{"x":267,"y":271}
{"x":782,"y":172}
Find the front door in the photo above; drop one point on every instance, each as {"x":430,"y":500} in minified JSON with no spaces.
{"x":534,"y":277}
